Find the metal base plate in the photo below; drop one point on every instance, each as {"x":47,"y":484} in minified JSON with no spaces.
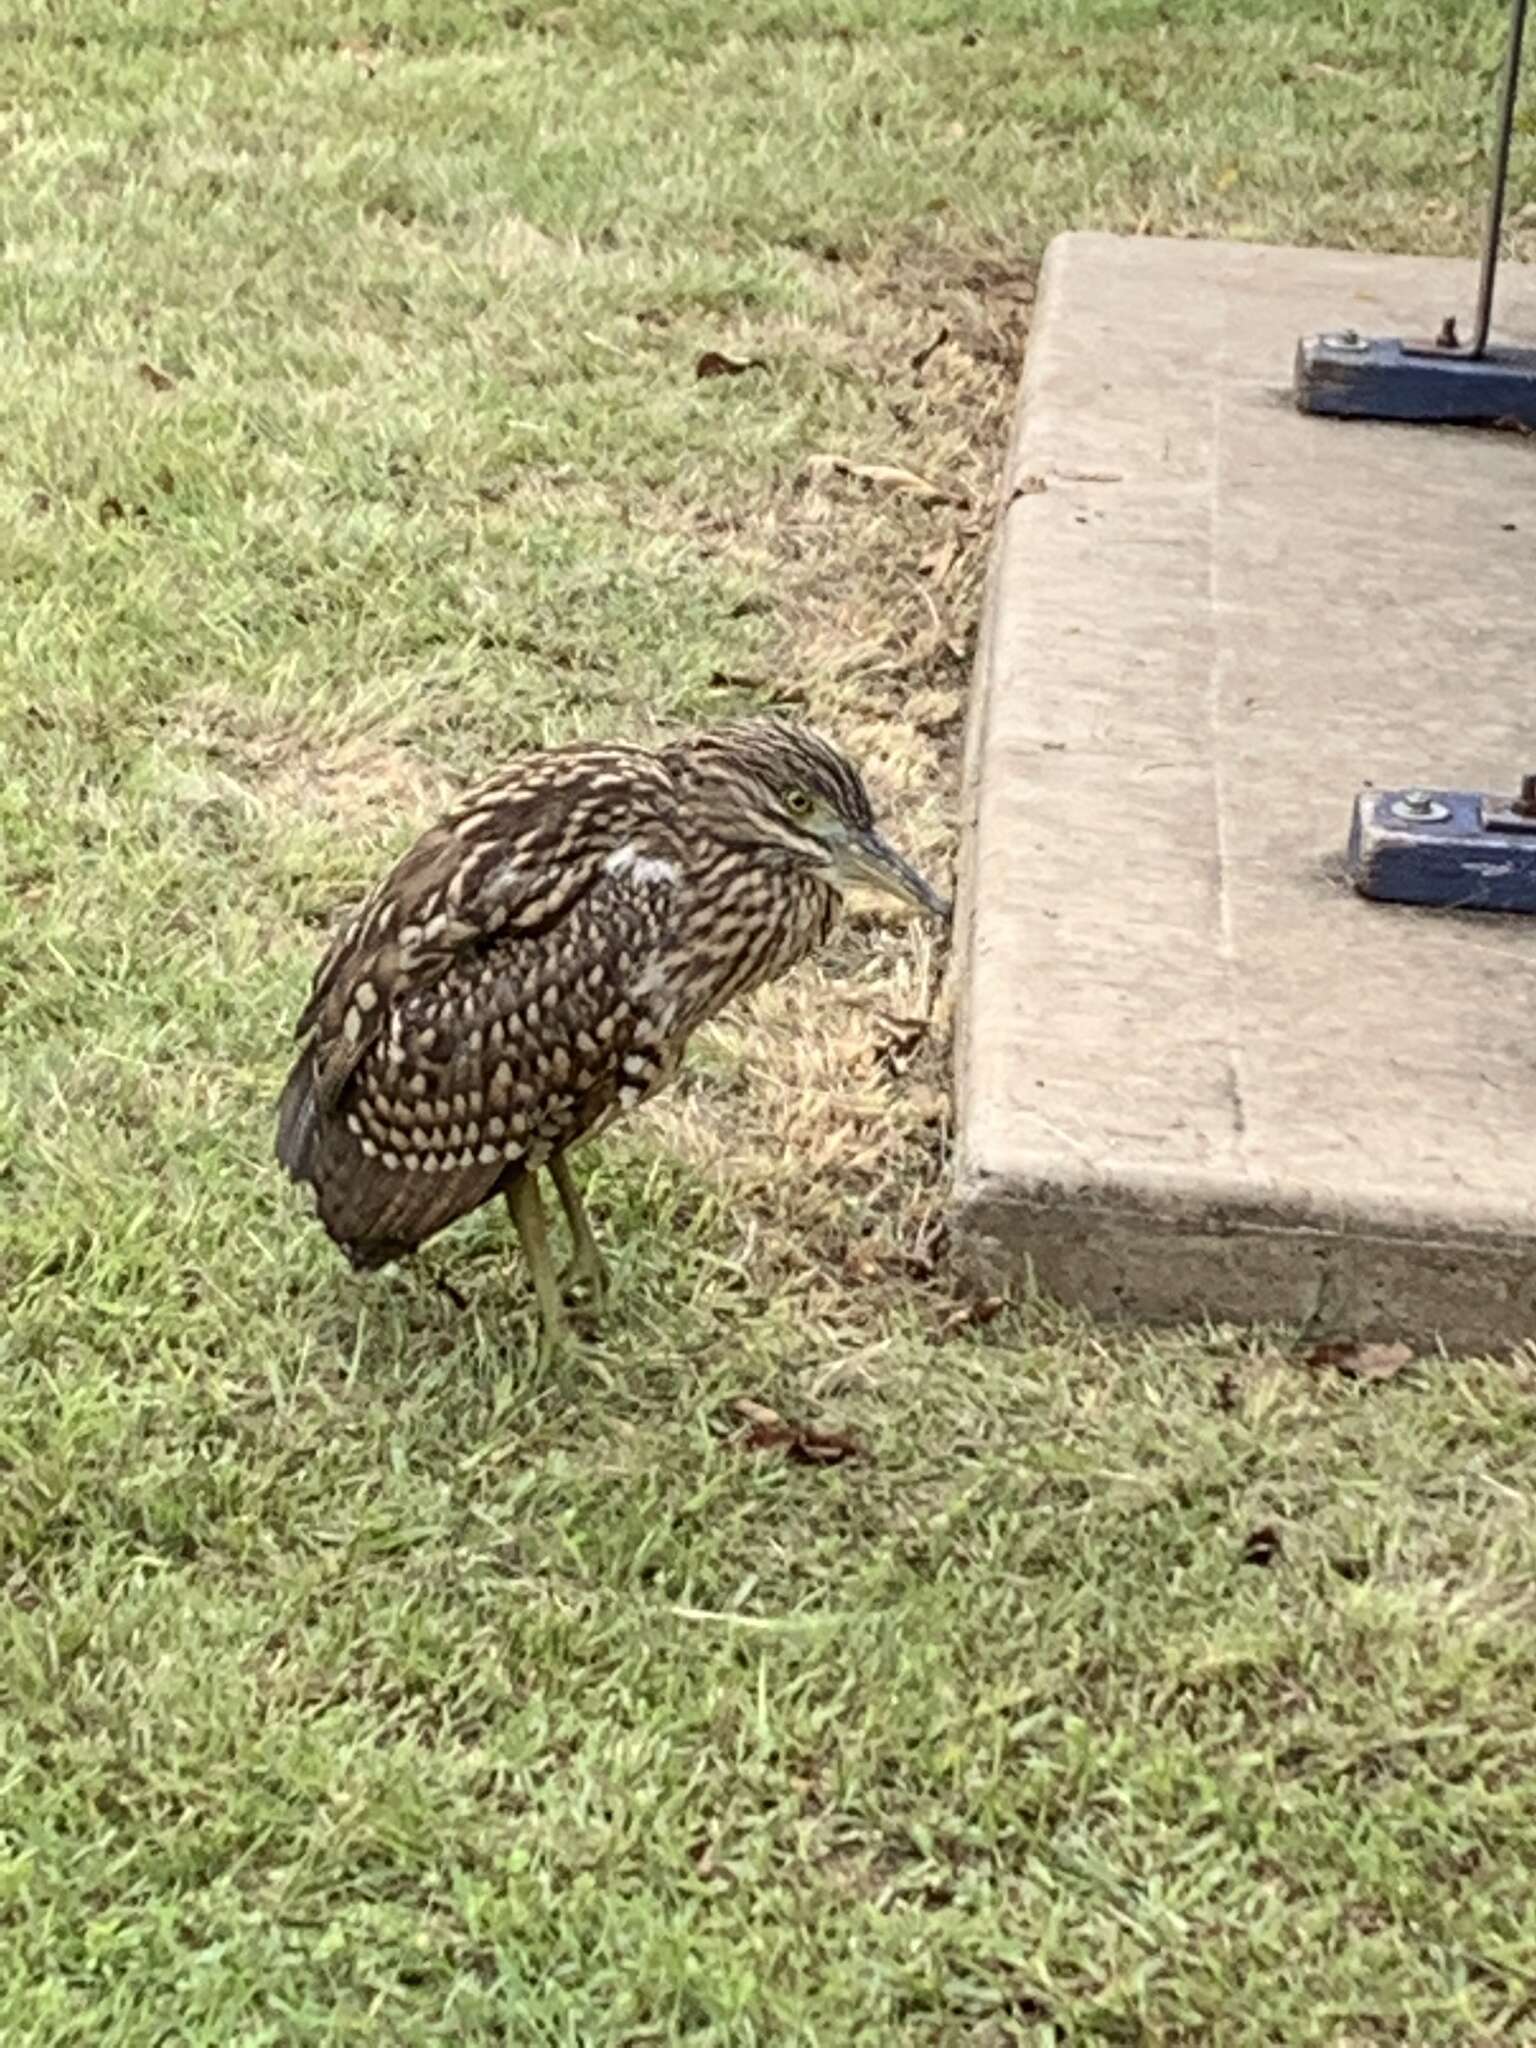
{"x":1441,"y":847}
{"x":1352,"y":376}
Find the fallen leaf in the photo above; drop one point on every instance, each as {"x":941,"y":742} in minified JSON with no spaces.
{"x":713,"y":364}
{"x":1360,"y":1361}
{"x":889,"y":476}
{"x":1026,"y":487}
{"x":767,"y":1430}
{"x":920,"y":360}
{"x":157,"y":380}
{"x":1262,"y":1546}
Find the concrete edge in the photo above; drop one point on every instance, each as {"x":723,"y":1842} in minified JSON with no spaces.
{"x":973,"y":823}
{"x":1149,"y":1272}
{"x":1171,"y":1207}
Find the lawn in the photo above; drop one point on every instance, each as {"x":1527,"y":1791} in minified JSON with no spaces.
{"x":365,"y":1679}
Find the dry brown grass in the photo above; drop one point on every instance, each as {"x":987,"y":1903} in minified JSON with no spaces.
{"x":879,"y":586}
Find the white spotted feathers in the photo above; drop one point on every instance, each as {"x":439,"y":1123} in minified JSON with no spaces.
{"x":533,"y":966}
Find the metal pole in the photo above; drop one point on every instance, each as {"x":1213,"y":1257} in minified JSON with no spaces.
{"x":1508,"y":93}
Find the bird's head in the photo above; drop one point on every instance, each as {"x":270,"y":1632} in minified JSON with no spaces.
{"x":799,"y":801}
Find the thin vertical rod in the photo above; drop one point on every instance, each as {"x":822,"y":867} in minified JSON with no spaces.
{"x":1508,"y":94}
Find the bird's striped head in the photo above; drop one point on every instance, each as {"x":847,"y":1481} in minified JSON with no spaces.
{"x":796,"y":800}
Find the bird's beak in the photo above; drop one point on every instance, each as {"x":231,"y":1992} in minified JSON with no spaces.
{"x":864,"y":858}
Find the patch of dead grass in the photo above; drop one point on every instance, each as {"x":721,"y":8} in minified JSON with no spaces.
{"x":342,"y":783}
{"x":841,"y":1157}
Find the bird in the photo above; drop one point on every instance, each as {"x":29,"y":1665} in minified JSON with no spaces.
{"x":533,"y":966}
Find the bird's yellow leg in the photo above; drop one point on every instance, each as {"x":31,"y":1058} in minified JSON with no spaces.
{"x":528,"y":1214}
{"x":588,"y":1263}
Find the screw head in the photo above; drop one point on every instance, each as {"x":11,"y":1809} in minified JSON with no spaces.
{"x":1419,"y":806}
{"x":1345,"y":338}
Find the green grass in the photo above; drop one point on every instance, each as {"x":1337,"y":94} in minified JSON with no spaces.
{"x":363,"y":1680}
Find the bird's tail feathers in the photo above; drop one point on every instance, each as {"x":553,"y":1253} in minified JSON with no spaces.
{"x":298,"y":1119}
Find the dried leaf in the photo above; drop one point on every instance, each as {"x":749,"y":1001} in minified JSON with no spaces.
{"x":156,"y":379}
{"x":1262,"y":1546}
{"x":767,"y":1430}
{"x":1360,"y":1361}
{"x":891,"y":477}
{"x":714,"y":364}
{"x":1026,"y":487}
{"x":920,"y":360}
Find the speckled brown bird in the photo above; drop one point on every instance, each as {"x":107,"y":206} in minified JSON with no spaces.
{"x":536,"y":963}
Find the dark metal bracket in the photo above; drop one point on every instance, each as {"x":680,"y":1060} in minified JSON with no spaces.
{"x":1442,"y":380}
{"x":1450,"y":849}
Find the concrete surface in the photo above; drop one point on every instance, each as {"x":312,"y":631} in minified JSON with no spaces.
{"x":1199,"y":1076}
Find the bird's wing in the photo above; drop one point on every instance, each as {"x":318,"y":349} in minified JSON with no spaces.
{"x":511,"y":862}
{"x":506,"y":1058}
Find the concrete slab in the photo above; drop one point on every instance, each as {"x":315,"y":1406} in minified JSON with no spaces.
{"x":1197,"y":1075}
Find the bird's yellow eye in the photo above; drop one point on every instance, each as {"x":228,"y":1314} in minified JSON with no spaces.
{"x":798,"y":803}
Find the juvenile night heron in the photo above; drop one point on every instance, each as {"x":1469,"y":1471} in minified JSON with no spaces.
{"x":536,"y":963}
